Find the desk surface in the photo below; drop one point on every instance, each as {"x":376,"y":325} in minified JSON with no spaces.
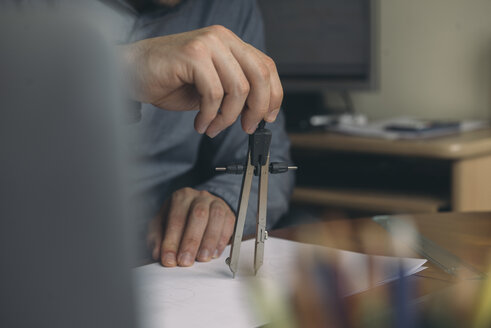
{"x":464,"y":145}
{"x":468,"y":236}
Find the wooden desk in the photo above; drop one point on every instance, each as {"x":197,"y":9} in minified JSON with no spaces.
{"x":469,"y":155}
{"x":468,"y":236}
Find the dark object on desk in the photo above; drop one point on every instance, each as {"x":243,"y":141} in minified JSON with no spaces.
{"x":299,"y":107}
{"x":63,"y":237}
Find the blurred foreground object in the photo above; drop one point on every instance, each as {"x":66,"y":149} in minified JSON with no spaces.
{"x":63,"y":230}
{"x":435,"y":297}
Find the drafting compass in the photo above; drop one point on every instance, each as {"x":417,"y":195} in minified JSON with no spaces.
{"x":257,"y":163}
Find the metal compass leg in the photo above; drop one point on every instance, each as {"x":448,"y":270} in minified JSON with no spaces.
{"x":233,"y":260}
{"x":262,"y":207}
{"x":257,"y":164}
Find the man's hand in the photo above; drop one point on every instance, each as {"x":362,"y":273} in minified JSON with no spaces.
{"x":210,"y":70}
{"x":192,"y":225}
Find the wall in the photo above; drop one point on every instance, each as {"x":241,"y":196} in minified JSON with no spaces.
{"x":435,"y":60}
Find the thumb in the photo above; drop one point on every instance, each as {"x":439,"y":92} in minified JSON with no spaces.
{"x":155,"y":233}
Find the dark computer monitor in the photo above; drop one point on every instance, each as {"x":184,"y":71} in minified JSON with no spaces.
{"x":321,"y":44}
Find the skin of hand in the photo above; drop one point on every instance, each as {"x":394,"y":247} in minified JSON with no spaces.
{"x":211,"y":70}
{"x":192,"y":225}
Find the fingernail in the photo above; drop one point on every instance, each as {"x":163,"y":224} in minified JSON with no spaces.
{"x":169,"y":259}
{"x":215,"y":255}
{"x":252,"y":129}
{"x":272,"y":116}
{"x":204,"y":255}
{"x":201,"y":128}
{"x":212,"y":134}
{"x":185,"y":259}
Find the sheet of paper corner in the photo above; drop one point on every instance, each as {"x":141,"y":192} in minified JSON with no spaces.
{"x":205,"y":295}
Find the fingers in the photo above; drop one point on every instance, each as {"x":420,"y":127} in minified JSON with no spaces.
{"x":211,"y":67}
{"x":155,"y":232}
{"x":198,"y":225}
{"x":195,"y":228}
{"x":242,"y":80}
{"x":154,"y":238}
{"x":176,"y":222}
{"x":210,"y":88}
{"x":236,"y":89}
{"x":218,"y":212}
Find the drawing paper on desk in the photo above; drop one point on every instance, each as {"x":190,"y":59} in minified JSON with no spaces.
{"x":205,"y":295}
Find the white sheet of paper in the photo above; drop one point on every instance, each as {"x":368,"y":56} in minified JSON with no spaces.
{"x":205,"y":295}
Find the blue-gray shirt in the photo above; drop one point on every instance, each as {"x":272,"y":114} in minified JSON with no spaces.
{"x":171,"y":154}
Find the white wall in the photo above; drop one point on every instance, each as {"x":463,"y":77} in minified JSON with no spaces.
{"x":435,"y":60}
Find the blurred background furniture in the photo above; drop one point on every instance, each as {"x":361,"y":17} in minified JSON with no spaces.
{"x":393,"y":176}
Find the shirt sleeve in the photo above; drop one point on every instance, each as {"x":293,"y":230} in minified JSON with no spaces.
{"x":231,"y":146}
